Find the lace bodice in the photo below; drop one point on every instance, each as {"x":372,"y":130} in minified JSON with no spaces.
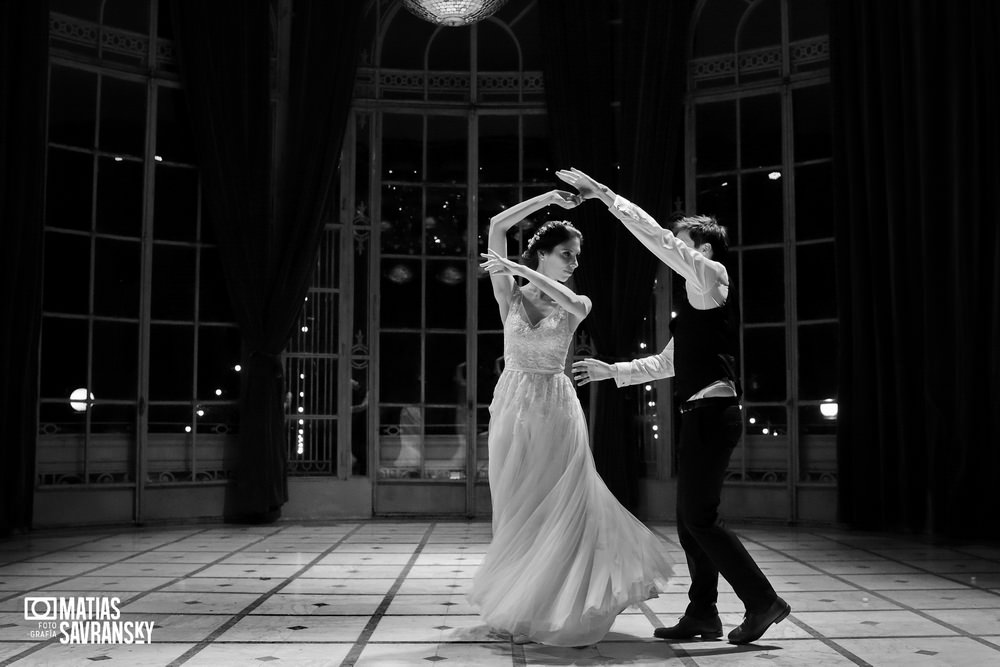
{"x":541,"y":347}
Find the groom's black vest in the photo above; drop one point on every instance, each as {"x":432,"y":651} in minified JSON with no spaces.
{"x":706,"y":343}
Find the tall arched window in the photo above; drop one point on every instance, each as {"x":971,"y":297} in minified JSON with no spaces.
{"x":448,"y":128}
{"x":759,"y":159}
{"x":139,"y":351}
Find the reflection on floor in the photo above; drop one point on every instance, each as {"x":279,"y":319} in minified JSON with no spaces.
{"x":392,"y":593}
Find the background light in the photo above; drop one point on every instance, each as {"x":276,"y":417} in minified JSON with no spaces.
{"x":80,"y":399}
{"x":829,"y":409}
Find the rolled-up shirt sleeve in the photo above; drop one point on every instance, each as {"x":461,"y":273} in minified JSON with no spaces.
{"x":645,"y":369}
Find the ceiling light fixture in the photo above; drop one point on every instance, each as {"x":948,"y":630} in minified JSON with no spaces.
{"x":453,"y":13}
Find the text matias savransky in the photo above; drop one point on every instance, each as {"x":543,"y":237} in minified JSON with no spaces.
{"x":84,"y":620}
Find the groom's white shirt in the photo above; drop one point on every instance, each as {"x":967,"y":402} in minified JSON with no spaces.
{"x":706,"y":283}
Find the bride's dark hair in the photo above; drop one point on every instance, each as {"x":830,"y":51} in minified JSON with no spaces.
{"x":548,"y":236}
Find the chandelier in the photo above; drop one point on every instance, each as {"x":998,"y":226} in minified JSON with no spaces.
{"x":452,"y":13}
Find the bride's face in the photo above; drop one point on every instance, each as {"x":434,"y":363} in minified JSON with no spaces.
{"x":560,"y":263}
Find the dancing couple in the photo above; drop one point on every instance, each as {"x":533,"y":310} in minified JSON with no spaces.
{"x":566,"y":557}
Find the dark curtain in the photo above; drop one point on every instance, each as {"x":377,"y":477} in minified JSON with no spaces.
{"x":266,"y":205}
{"x":24,"y":38}
{"x":917,"y":184}
{"x":635,"y":152}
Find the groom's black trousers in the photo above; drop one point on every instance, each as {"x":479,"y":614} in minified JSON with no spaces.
{"x":708,"y":435}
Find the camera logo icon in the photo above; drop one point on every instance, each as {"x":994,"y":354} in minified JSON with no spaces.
{"x":40,"y":609}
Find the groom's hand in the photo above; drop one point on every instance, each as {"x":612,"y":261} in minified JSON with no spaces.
{"x":585,"y":185}
{"x":590,"y":370}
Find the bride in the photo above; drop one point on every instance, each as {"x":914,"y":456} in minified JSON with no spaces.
{"x":566,"y":557}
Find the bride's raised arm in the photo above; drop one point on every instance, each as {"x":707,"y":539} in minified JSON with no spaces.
{"x":577,"y":305}
{"x":501,"y":223}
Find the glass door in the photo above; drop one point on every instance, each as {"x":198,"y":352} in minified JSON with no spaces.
{"x":442,"y":174}
{"x":425,"y":270}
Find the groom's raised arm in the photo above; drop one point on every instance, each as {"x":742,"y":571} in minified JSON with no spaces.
{"x":702,"y":273}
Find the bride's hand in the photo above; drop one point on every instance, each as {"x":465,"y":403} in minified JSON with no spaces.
{"x":497,"y":265}
{"x":565,"y":199}
{"x":590,"y":370}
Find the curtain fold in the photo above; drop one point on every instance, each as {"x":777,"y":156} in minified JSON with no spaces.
{"x":266,"y":205}
{"x":654,"y":82}
{"x":24,"y":38}
{"x":634,"y":151}
{"x":917,"y":191}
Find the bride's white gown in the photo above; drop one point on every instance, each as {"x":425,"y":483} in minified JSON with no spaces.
{"x":566,"y":557}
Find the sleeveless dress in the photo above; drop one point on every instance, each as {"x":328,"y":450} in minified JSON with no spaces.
{"x":566,"y":557}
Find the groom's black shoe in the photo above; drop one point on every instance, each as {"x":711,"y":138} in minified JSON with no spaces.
{"x":755,"y":624}
{"x":689,"y":626}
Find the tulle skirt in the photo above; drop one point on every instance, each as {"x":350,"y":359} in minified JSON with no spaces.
{"x":566,"y":557}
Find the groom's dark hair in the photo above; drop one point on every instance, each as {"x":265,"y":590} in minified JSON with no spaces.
{"x":705,"y":229}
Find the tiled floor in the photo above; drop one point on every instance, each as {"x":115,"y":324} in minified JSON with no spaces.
{"x":392,"y":593}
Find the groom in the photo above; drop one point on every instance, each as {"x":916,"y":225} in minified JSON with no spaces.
{"x":701,"y":358}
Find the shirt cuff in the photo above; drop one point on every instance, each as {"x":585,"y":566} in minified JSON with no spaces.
{"x":622,"y":373}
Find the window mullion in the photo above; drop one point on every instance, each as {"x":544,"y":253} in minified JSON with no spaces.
{"x":145,"y":299}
